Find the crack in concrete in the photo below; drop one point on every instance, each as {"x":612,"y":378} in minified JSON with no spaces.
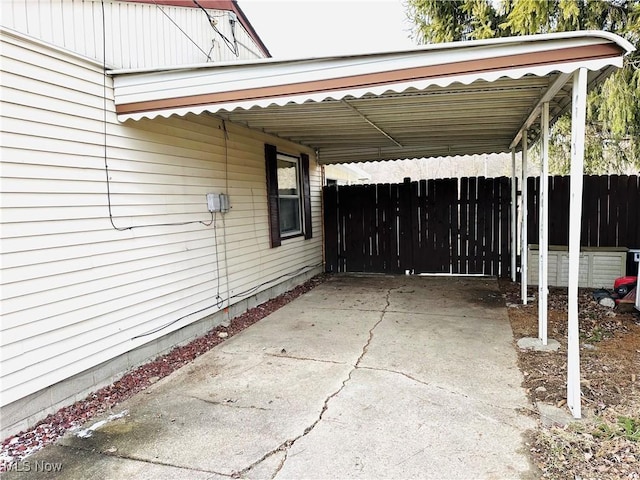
{"x":439,"y":387}
{"x":293,"y":357}
{"x":397,"y":372}
{"x":280,"y":448}
{"x":281,"y":464}
{"x":285,"y":446}
{"x":228,"y":404}
{"x":445,"y":315}
{"x":417,"y":380}
{"x":344,"y":309}
{"x":143,"y":460}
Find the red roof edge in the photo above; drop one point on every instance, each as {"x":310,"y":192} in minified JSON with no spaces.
{"x":229,"y":5}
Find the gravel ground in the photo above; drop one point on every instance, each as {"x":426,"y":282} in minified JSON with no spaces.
{"x":47,"y":431}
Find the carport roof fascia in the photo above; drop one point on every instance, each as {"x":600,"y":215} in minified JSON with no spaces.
{"x":237,"y":87}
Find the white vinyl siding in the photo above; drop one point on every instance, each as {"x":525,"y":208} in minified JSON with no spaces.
{"x":138,"y":35}
{"x":75,"y":291}
{"x":599,"y":266}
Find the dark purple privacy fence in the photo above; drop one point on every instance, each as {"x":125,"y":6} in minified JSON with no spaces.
{"x":463,"y":225}
{"x":436,"y":226}
{"x":610,"y":211}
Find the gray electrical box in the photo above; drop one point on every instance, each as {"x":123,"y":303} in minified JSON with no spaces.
{"x":224,"y":203}
{"x":217,"y":202}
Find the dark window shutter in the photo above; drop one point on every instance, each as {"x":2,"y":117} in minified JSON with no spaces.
{"x":271,"y":157}
{"x":306,"y":192}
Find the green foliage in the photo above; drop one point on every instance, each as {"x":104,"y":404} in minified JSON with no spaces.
{"x":613,"y":120}
{"x":630,"y":427}
{"x":627,"y":427}
{"x":527,"y":17}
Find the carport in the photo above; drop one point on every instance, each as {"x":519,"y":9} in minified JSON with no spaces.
{"x":487,"y":96}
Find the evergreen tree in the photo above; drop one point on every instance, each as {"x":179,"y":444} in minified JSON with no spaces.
{"x":613,"y":118}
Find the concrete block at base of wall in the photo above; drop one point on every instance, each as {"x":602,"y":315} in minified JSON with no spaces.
{"x":28,"y":411}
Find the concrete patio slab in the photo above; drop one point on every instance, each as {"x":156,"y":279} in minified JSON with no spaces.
{"x":220,"y":414}
{"x":362,"y":377}
{"x":299,"y":330}
{"x":439,"y":349}
{"x":368,"y":433}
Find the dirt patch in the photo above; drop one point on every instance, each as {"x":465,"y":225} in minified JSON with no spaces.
{"x":606,"y":445}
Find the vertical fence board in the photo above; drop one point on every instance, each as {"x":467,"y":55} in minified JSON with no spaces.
{"x":395,"y":226}
{"x":450,"y":224}
{"x":481,"y":216}
{"x":561,"y":210}
{"x":422,"y":233}
{"x":368,"y":210}
{"x":455,"y":225}
{"x":405,"y":235}
{"x":330,"y":200}
{"x":433,"y":227}
{"x":505,"y":227}
{"x":620,"y":201}
{"x":414,"y":229}
{"x":380,"y":239}
{"x":591,"y":213}
{"x":603,"y":231}
{"x":474,"y":227}
{"x":633,"y":200}
{"x":533,"y":185}
{"x":495,"y":226}
{"x":356,"y":244}
{"x":463,"y":249}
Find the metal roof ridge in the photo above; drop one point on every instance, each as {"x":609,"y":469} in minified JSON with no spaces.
{"x":419,"y":49}
{"x":25,"y":37}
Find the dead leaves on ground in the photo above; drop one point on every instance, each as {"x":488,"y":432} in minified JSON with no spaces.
{"x":606,"y":445}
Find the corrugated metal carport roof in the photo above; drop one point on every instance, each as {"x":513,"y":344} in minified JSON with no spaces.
{"x":448,"y":99}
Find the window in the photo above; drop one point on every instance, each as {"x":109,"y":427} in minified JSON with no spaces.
{"x":289,"y":196}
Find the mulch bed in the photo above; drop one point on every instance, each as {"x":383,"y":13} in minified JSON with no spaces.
{"x":606,"y":444}
{"x":47,"y":431}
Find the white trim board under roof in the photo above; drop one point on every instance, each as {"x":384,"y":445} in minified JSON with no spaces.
{"x":439,"y":100}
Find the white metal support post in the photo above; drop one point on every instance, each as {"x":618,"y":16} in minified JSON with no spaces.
{"x":578,"y":116}
{"x":523,"y":229}
{"x":543,"y":216}
{"x":514,"y":213}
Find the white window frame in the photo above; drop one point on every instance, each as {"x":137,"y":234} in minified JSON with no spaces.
{"x":295,"y":161}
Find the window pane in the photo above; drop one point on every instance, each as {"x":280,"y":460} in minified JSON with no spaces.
{"x":289,"y":215}
{"x":287,"y":177}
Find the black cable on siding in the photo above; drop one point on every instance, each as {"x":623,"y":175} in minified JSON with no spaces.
{"x":105,"y":134}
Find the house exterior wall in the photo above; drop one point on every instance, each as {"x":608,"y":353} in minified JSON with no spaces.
{"x":77,"y":292}
{"x":345,"y":174}
{"x":137,"y":35}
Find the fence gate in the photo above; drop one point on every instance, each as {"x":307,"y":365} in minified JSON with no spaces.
{"x":431,"y":226}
